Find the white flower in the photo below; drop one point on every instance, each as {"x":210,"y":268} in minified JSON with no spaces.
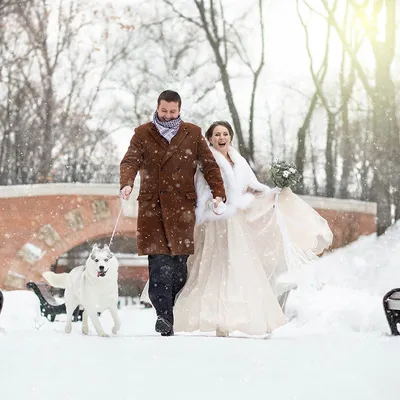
{"x":292,"y":170}
{"x":286,"y":174}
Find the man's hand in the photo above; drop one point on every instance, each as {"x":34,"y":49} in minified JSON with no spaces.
{"x":125,"y":192}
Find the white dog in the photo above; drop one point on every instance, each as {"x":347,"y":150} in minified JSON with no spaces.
{"x":94,"y":286}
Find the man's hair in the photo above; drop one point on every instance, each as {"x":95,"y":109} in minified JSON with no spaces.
{"x":169,"y":96}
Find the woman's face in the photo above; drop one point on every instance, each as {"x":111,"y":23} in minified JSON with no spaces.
{"x":221,"y":139}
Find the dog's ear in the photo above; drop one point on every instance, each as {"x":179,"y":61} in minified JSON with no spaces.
{"x":107,"y":249}
{"x":94,"y":248}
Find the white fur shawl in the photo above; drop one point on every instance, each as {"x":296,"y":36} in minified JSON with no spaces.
{"x":237,"y":180}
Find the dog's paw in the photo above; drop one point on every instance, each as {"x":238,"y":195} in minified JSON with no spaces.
{"x":103,"y":334}
{"x":68,"y":328}
{"x":85,"y":330}
{"x":115,"y":330}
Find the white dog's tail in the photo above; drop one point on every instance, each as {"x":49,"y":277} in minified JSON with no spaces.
{"x":56,"y":280}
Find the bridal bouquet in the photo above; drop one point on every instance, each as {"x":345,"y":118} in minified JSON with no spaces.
{"x":284,"y":174}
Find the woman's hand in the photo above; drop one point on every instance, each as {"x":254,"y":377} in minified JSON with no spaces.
{"x":219,"y":209}
{"x":217,"y":206}
{"x":217,"y":201}
{"x":276,"y":190}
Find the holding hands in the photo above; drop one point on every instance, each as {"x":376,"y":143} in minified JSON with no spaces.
{"x":219,"y":206}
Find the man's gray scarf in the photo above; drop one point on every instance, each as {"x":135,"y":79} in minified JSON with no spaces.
{"x":167,"y":129}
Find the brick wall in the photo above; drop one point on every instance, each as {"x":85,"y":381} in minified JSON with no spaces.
{"x":348,"y":226}
{"x":38,"y":223}
{"x":37,"y":228}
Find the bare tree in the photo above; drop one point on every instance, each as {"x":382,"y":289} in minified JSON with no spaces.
{"x":314,"y":167}
{"x":226,"y":42}
{"x":362,"y":142}
{"x":331,"y":147}
{"x":318,"y":79}
{"x":8,"y":6}
{"x":382,"y":93}
{"x":52,"y":85}
{"x":143,"y":82}
{"x":346,"y":88}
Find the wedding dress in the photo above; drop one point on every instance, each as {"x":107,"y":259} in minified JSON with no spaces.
{"x":234,"y":275}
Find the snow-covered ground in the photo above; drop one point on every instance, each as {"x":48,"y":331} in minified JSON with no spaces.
{"x":336,"y":345}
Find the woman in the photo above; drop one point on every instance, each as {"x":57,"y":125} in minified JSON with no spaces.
{"x":233,"y":275}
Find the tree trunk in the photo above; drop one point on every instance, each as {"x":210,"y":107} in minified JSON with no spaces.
{"x":329,"y":159}
{"x":346,"y":154}
{"x":244,"y":150}
{"x":385,"y":123}
{"x":301,"y":143}
{"x":215,"y":42}
{"x":386,"y":143}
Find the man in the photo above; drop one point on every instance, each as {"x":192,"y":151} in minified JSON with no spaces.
{"x":167,"y":152}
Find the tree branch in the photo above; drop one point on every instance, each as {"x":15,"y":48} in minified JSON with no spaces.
{"x":362,"y":75}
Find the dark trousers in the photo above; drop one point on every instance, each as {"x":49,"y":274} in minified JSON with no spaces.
{"x":167,"y":277}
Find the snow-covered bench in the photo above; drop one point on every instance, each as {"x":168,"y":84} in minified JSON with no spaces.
{"x":48,"y":305}
{"x":282,"y":299}
{"x":391,"y":305}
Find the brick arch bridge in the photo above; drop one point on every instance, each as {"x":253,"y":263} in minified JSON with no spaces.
{"x":38,"y":223}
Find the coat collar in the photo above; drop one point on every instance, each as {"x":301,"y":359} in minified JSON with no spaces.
{"x":176,"y":141}
{"x":157,"y":137}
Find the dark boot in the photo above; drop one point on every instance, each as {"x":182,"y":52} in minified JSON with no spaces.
{"x":164,"y":327}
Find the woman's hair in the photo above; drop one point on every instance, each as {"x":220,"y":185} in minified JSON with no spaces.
{"x":225,"y":124}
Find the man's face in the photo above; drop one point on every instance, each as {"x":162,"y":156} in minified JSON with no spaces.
{"x":168,"y":110}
